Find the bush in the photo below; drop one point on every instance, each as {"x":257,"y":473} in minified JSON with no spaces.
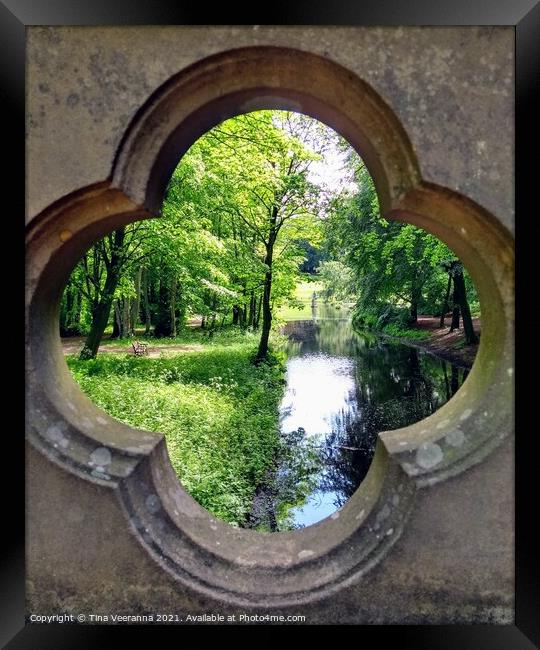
{"x":378,"y":315}
{"x":393,"y":329}
{"x":387,"y":318}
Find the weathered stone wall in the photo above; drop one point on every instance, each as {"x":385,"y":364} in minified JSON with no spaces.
{"x":452,"y":91}
{"x":451,"y":88}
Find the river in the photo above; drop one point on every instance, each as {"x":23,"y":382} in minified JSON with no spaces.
{"x":343,"y":387}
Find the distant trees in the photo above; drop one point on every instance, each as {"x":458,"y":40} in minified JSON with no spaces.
{"x":399,"y":270}
{"x":314,"y":256}
{"x":338,"y":281}
{"x":241,"y":217}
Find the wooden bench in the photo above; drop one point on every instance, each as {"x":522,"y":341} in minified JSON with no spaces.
{"x":139,"y":348}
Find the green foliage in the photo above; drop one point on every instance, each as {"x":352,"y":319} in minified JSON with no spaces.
{"x":396,"y":269}
{"x":337,"y":279}
{"x":405,"y":332}
{"x":243,"y":188}
{"x":240,"y":201}
{"x":218,"y":411}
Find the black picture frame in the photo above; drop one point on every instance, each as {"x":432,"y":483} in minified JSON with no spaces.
{"x":524,"y":15}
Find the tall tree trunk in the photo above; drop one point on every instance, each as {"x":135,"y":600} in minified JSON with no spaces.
{"x":136,"y":302}
{"x":100,"y":318}
{"x":121,"y":323}
{"x":455,"y":318}
{"x":69,"y":307}
{"x":76,"y":313}
{"x":455,"y":308}
{"x":456,"y":312}
{"x":251,"y":317}
{"x":416,"y":293}
{"x":163,"y":325}
{"x":65,"y":311}
{"x":460,"y":296}
{"x":445,"y":305}
{"x":262,"y":352}
{"x":242,"y":309}
{"x":117,"y":321}
{"x":258,"y":314}
{"x":101,"y":311}
{"x":146,"y":302}
{"x":413,"y":316}
{"x":126,"y":318}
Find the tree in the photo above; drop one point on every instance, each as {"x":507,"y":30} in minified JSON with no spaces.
{"x":99,"y":274}
{"x":398,"y":268}
{"x":240,"y":214}
{"x":445,"y":304}
{"x":255,"y":192}
{"x":108,"y":258}
{"x":244,"y":212}
{"x":460,"y":302}
{"x":337,"y":279}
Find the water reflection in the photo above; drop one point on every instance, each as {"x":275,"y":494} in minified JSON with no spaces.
{"x":343,"y":387}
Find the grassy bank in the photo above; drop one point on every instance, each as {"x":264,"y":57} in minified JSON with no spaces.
{"x":439,"y":341}
{"x":218,"y":411}
{"x":401,"y":332}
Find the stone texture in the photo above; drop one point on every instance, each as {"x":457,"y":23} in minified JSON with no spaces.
{"x":452,"y":89}
{"x":453,"y":563}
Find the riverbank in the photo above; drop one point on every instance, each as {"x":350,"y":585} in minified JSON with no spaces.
{"x":440,"y":342}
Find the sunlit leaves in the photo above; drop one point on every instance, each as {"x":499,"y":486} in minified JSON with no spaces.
{"x":395,"y":265}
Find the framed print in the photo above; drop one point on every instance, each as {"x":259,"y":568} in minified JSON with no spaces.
{"x":125,"y":112}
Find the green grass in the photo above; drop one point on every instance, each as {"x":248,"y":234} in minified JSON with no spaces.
{"x":300,"y":309}
{"x":186,"y":335}
{"x":218,"y":411}
{"x":405,"y":332}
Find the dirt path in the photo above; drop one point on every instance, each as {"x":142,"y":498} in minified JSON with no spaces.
{"x":445,"y":344}
{"x":74,"y":344}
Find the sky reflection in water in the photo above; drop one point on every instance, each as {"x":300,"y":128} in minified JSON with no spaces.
{"x":343,"y":388}
{"x":318,"y":386}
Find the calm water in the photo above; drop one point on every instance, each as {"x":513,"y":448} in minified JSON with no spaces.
{"x":342,"y":389}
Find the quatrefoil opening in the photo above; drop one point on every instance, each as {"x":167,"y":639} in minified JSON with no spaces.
{"x":180,"y":535}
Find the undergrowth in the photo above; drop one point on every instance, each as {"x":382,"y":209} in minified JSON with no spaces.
{"x":218,"y":411}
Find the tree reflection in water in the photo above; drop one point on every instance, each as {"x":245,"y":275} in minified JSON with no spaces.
{"x":343,"y":388}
